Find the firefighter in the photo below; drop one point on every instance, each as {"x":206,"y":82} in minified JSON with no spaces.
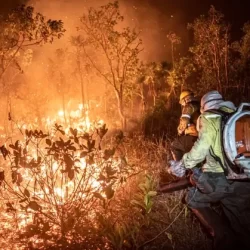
{"x":187,"y":133}
{"x":211,"y":185}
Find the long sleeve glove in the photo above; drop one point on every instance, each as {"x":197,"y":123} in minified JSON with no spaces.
{"x":177,"y":168}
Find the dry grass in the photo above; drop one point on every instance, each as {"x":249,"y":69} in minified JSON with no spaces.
{"x":170,"y":224}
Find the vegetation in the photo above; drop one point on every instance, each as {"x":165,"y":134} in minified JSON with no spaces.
{"x":22,"y":29}
{"x":68,"y":191}
{"x":74,"y":184}
{"x":119,"y":49}
{"x":214,"y":61}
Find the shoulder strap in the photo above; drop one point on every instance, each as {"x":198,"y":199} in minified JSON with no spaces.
{"x":218,"y":112}
{"x":224,"y":117}
{"x":224,"y":114}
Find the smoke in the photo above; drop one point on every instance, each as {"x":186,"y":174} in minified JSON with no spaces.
{"x":153,"y":23}
{"x":155,"y":19}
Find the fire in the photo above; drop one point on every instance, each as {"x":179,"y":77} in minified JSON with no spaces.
{"x":60,"y":113}
{"x":78,"y":118}
{"x":48,"y":188}
{"x":80,"y":106}
{"x":60,"y":192}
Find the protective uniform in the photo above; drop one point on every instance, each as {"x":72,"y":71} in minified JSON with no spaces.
{"x":187,"y":126}
{"x":212,"y":184}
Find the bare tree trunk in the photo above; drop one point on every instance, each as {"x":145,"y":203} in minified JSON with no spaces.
{"x":85,"y":88}
{"x":82,"y":85}
{"x":172,"y":50}
{"x":39,"y":117}
{"x":132,"y":107}
{"x":143,"y":102}
{"x":63,"y":98}
{"x":82,"y":93}
{"x":64,"y":110}
{"x":154,"y":93}
{"x":105,"y":101}
{"x":121,"y":109}
{"x":217,"y":69}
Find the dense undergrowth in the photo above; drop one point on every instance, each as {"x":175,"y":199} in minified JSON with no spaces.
{"x":81,"y":191}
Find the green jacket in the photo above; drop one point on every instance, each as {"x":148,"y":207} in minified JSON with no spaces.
{"x":208,"y":144}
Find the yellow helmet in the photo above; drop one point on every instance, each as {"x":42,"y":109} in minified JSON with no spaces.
{"x":185,"y":94}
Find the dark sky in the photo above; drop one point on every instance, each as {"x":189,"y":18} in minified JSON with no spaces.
{"x":236,"y":12}
{"x":174,"y":15}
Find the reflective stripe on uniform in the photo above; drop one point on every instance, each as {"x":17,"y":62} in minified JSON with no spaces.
{"x":186,"y":115}
{"x":211,"y":116}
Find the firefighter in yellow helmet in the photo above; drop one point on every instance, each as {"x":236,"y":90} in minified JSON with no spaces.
{"x":187,"y":132}
{"x":230,"y":230}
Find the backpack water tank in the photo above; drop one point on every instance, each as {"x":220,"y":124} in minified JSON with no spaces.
{"x":236,"y":139}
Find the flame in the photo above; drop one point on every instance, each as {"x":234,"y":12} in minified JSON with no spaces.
{"x":80,"y":106}
{"x":87,"y":121}
{"x":56,"y":188}
{"x":60,"y":192}
{"x":60,"y":113}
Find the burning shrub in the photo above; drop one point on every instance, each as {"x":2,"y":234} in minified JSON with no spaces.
{"x":60,"y":185}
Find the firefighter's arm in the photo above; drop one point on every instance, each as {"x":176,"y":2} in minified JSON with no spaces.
{"x":185,"y":119}
{"x":201,"y":147}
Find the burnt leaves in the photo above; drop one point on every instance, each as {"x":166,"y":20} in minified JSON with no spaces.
{"x":34,"y":206}
{"x":2,"y":176}
{"x":63,"y":151}
{"x":4,"y":151}
{"x":18,"y":154}
{"x":16,"y":177}
{"x":35,"y":133}
{"x":102,"y":131}
{"x":26,"y":193}
{"x":59,"y":128}
{"x":10,"y":207}
{"x":66,"y":152}
{"x":107,"y":178}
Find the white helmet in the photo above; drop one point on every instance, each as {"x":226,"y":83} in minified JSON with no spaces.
{"x":210,"y":99}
